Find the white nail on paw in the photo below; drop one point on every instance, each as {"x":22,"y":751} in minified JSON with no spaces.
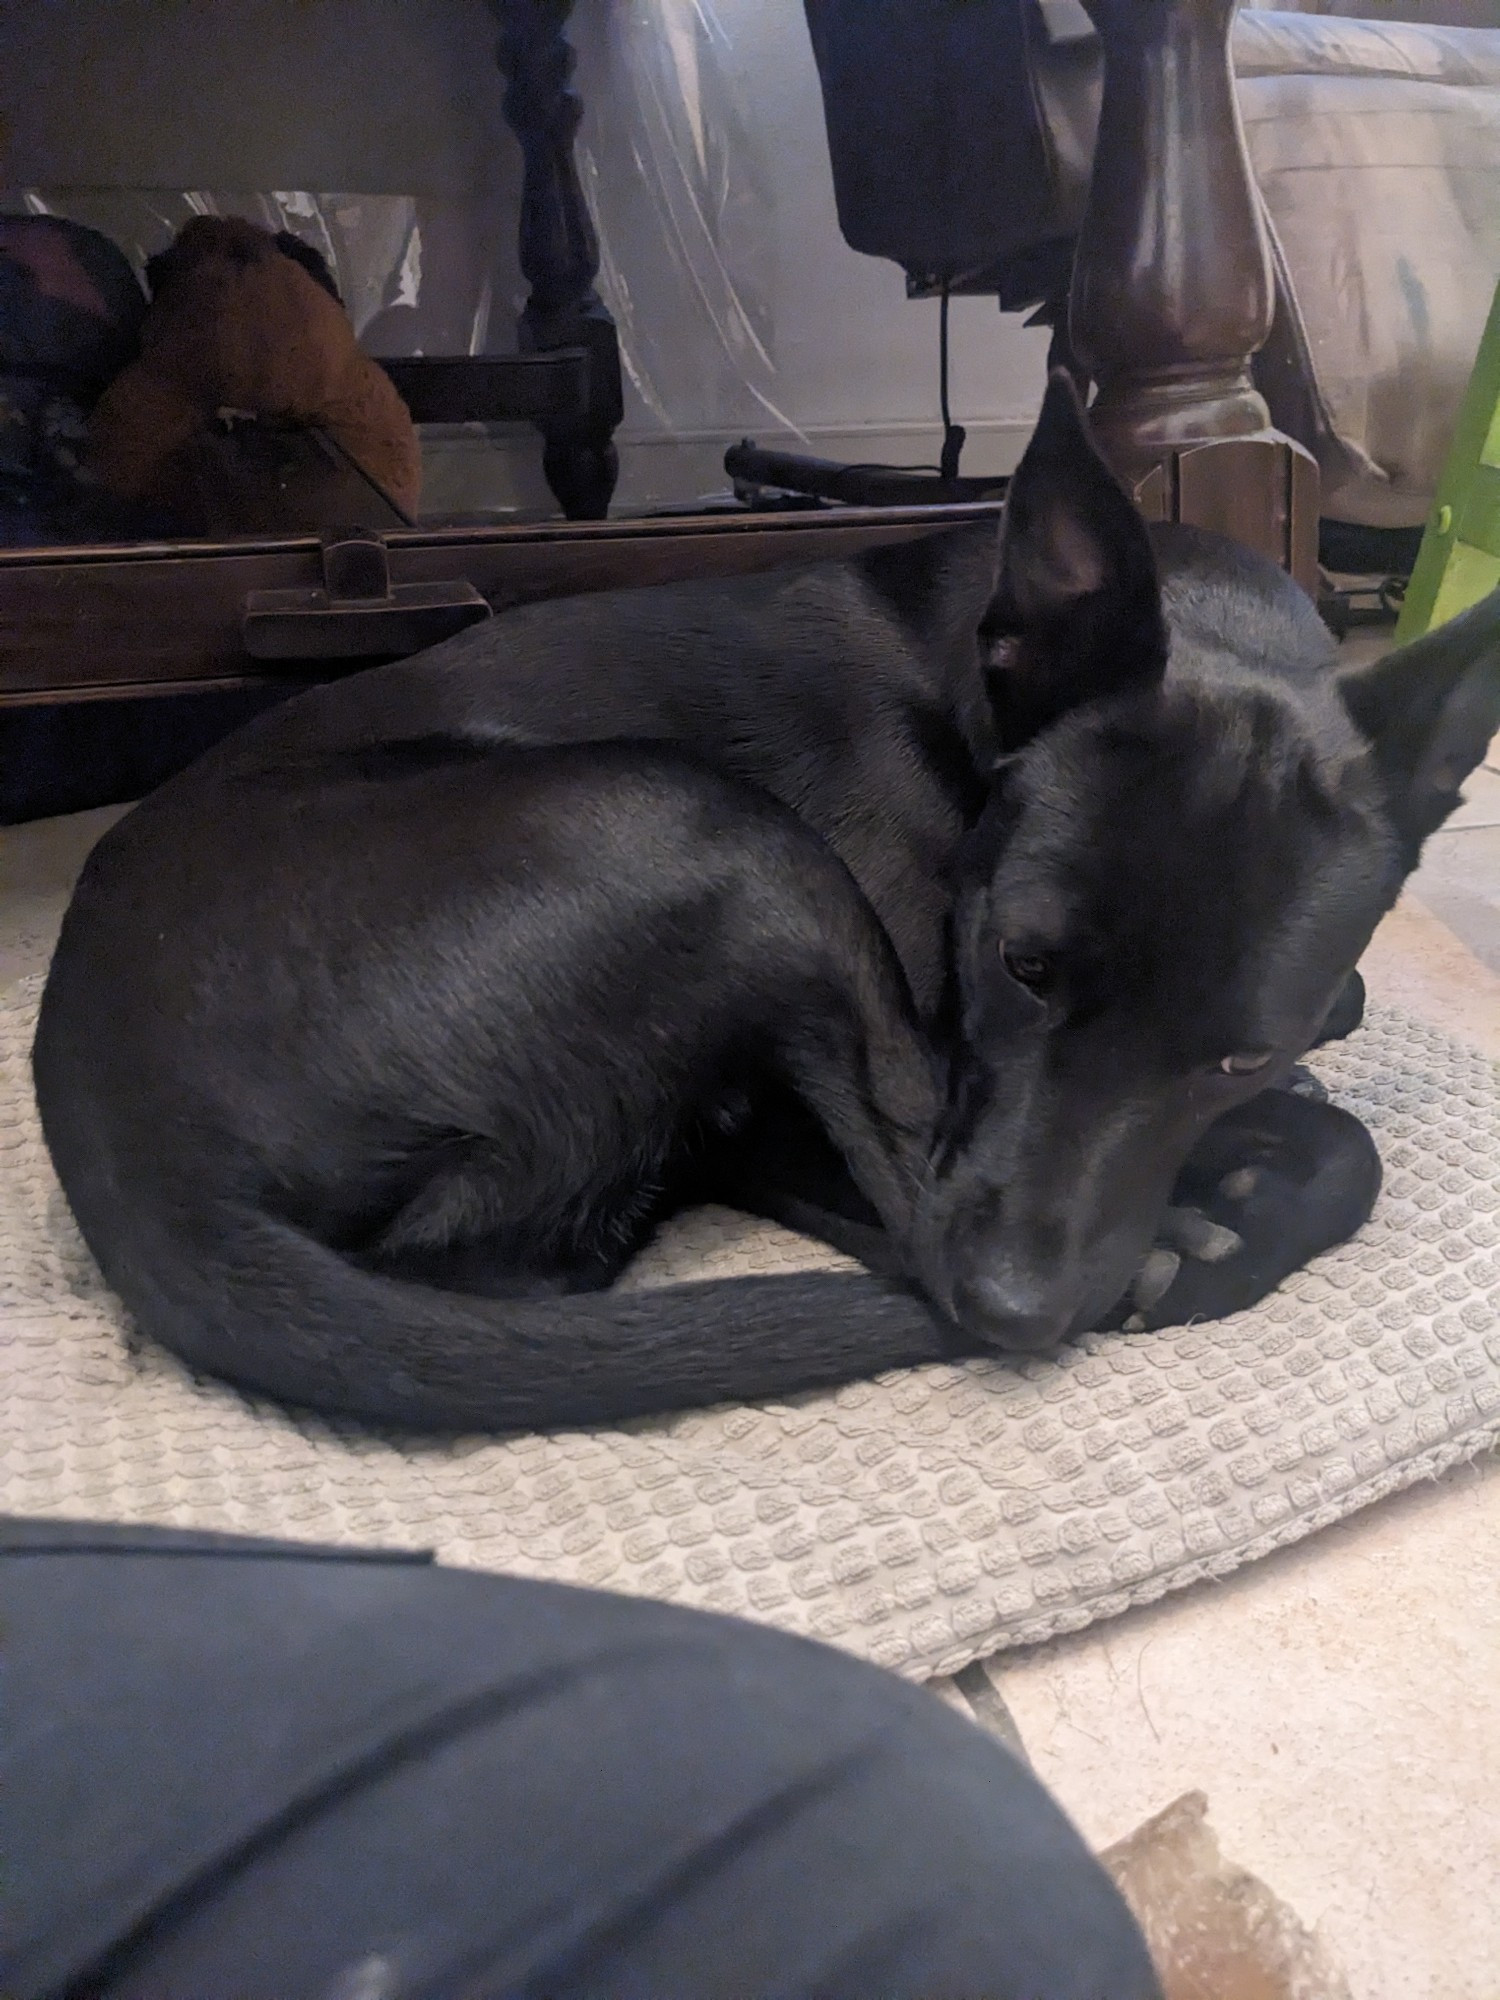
{"x":1154,"y":1276}
{"x":1208,"y":1241}
{"x":1302,"y":1083}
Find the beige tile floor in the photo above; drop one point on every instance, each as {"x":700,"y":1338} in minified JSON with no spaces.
{"x":1459,"y":879}
{"x":1338,"y":1702}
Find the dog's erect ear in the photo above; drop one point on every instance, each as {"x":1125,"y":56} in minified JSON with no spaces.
{"x":1429,"y":711}
{"x":1076,"y":613}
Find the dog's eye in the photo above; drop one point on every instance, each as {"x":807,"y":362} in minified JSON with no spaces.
{"x":1029,"y":969}
{"x":1246,"y":1062}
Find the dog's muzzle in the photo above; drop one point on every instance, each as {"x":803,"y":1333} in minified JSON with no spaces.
{"x":1008,"y":1317}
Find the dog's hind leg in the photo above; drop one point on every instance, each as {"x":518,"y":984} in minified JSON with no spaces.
{"x":783,"y":1166}
{"x":1268,"y":1187}
{"x":460,"y":1231}
{"x":487,"y":1268}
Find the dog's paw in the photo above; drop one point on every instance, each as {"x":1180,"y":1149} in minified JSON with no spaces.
{"x":1302,"y":1083}
{"x":1266,"y":1188}
{"x":1346,"y":1013}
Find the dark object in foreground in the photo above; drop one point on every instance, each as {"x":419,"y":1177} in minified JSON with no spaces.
{"x":380,"y":1040}
{"x":291,"y":1774}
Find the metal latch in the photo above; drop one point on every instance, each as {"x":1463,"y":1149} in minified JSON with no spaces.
{"x":359,"y":614}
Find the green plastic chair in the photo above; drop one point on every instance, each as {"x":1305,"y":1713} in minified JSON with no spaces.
{"x":1459,"y":560}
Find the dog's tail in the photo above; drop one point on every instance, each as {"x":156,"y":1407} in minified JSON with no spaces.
{"x":278,"y":1313}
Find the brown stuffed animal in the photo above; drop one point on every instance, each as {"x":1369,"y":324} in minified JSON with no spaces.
{"x":236,"y":322}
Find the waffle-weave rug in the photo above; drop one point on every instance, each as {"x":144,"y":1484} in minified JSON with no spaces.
{"x":923,"y":1519}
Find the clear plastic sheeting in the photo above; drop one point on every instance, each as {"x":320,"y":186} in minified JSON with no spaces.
{"x":417,"y":276}
{"x":692,"y":213}
{"x":704,"y":156}
{"x":740,"y":308}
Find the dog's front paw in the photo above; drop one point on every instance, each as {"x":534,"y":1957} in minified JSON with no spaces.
{"x":1265,"y":1189}
{"x":1346,"y":1013}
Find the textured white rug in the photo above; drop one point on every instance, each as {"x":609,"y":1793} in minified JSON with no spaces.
{"x":924,"y":1519}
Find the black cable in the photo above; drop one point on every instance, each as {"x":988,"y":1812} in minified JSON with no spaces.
{"x":953,"y":434}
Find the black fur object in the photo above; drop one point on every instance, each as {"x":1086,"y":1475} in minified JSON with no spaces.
{"x":971,"y":919}
{"x":310,"y":258}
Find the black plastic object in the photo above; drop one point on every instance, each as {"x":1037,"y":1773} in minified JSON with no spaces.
{"x":937,"y":153}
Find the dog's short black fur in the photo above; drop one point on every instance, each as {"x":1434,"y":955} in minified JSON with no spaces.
{"x":952,"y":911}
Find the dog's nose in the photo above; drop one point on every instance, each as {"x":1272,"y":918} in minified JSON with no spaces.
{"x":1011,"y":1317}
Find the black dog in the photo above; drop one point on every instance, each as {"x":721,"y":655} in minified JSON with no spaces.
{"x":412,"y":1007}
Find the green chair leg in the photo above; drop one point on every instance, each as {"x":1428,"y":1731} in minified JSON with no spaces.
{"x":1459,"y":561}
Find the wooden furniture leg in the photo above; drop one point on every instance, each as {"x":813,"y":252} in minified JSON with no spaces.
{"x":1172,"y":287}
{"x":560,"y":251}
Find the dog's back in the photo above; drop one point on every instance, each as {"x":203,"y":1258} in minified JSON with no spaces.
{"x":1231,"y":610}
{"x":849,"y":690}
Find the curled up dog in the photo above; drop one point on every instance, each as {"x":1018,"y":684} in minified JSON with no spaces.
{"x":968,"y":908}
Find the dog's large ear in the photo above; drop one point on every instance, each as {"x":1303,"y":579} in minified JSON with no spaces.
{"x":1429,"y":711}
{"x":1076,"y":612}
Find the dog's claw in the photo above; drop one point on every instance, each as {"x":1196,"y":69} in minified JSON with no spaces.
{"x":1302,"y":1083}
{"x":1270,"y":1186}
{"x":1155,"y":1275}
{"x":1191,"y":1231}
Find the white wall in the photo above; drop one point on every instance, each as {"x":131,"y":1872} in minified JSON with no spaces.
{"x":741,"y":309}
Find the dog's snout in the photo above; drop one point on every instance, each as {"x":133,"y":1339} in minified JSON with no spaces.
{"x":1013,"y":1317}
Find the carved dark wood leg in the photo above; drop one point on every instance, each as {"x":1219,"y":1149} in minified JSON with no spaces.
{"x":1172,"y":287}
{"x":559,"y":250}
